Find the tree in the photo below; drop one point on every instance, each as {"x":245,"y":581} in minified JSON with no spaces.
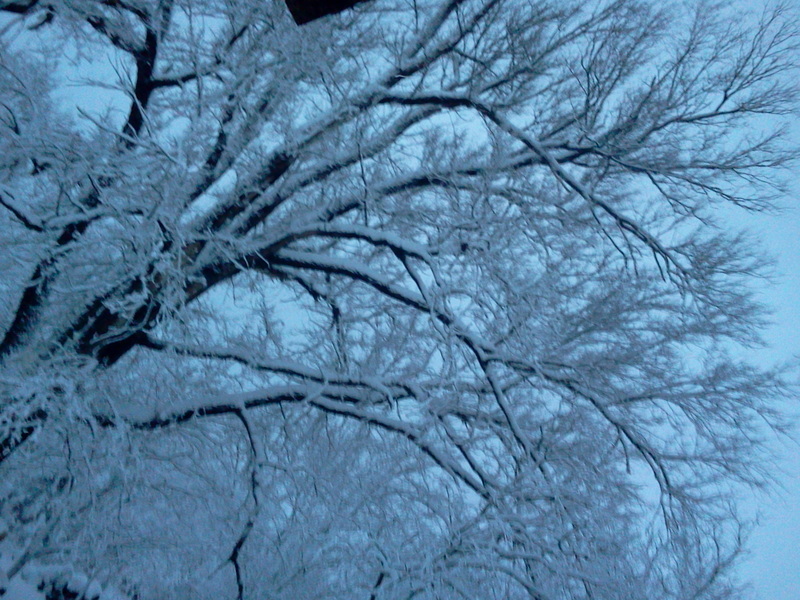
{"x":422,"y":300}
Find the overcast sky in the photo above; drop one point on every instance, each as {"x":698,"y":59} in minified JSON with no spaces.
{"x":774,"y":562}
{"x":774,"y":565}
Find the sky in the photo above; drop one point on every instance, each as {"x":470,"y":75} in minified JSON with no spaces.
{"x":773,"y":561}
{"x":773,"y":564}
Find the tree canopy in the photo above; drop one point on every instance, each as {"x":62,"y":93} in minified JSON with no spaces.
{"x":421,"y":300}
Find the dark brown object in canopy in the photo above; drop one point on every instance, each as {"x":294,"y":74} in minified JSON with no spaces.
{"x":305,"y":11}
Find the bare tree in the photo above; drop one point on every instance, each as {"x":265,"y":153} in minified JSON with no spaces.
{"x":422,"y":300}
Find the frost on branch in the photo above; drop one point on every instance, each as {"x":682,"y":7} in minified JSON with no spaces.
{"x":426,"y":300}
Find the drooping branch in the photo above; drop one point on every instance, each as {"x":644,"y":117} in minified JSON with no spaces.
{"x":626,"y":224}
{"x":337,"y":400}
{"x":389,"y":389}
{"x":20,"y":215}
